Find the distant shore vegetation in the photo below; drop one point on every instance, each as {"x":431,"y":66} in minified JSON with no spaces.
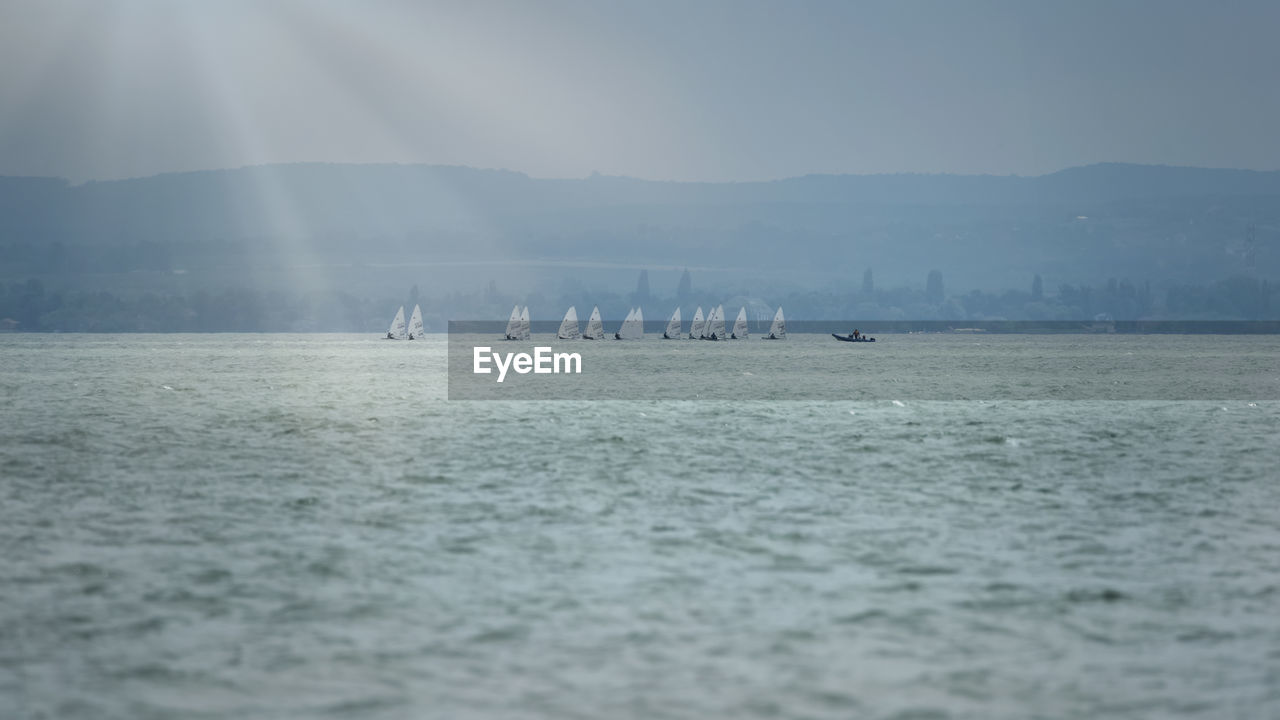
{"x":30,"y":305}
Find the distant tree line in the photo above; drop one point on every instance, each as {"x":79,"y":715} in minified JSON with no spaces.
{"x":27,"y":305}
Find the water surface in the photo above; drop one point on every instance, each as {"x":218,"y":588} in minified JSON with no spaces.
{"x":235,"y":526}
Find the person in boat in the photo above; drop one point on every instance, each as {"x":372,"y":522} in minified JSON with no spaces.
{"x":855,"y":334}
{"x":389,"y":336}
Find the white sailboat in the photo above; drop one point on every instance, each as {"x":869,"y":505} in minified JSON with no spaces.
{"x":778,"y":330}
{"x":632,"y":328}
{"x":595,"y":328}
{"x":740,"y":326}
{"x":415,"y":324}
{"x":569,"y":326}
{"x":618,"y":335}
{"x":714,"y":329}
{"x":695,"y":330}
{"x":397,"y":329}
{"x":513,"y":324}
{"x":673,"y":327}
{"x":524,"y":323}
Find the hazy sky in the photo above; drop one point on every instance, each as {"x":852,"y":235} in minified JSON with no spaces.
{"x":717,"y":90}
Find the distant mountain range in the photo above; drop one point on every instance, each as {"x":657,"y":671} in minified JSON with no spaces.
{"x":1153,"y":223}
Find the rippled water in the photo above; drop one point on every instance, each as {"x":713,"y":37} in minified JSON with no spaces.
{"x":302,"y":526}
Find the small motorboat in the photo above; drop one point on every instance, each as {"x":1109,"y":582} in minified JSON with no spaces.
{"x":850,"y":338}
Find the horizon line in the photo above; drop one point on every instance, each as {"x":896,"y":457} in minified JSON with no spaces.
{"x":604,"y":176}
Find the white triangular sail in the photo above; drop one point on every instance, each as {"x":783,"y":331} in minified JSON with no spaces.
{"x":673,"y":326}
{"x":778,"y":330}
{"x":595,"y":328}
{"x":397,"y":329}
{"x":714,"y":329}
{"x":415,"y":324}
{"x":524,"y":323}
{"x":513,"y":325}
{"x":624,"y":326}
{"x":740,"y":325}
{"x":632,"y":328}
{"x":630,"y":314}
{"x":569,"y":326}
{"x":695,"y":330}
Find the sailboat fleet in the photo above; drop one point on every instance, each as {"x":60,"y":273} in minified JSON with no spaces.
{"x":632,"y":328}
{"x":400,"y":331}
{"x":712,"y":327}
{"x":518,"y":324}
